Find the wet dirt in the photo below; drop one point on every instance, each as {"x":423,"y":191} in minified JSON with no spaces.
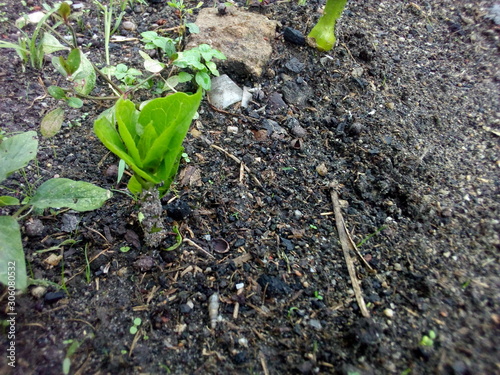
{"x":403,"y":116}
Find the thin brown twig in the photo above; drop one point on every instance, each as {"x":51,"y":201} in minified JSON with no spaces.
{"x":194,"y":244}
{"x":239,"y":161}
{"x":344,"y":240}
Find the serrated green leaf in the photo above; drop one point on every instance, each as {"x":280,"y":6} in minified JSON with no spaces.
{"x":16,"y":152}
{"x":56,"y":92}
{"x":52,"y":122}
{"x":5,"y":200}
{"x":63,"y":192}
{"x":12,"y":266}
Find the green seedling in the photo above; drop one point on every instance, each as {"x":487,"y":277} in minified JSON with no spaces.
{"x":128,"y":76}
{"x":370,"y":236}
{"x":125,"y":249}
{"x":312,"y":226}
{"x":318,"y":296}
{"x":88,"y":271}
{"x":150,"y":140}
{"x":137,"y":322}
{"x":15,"y":153}
{"x":74,"y":345}
{"x":428,"y":340}
{"x":322,"y":36}
{"x":185,"y":157}
{"x":164,"y":45}
{"x":291,"y":310}
{"x":182,"y":11}
{"x":199,"y":61}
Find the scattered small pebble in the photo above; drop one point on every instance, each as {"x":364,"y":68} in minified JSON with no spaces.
{"x":299,"y":131}
{"x":322,"y":170}
{"x":52,"y":297}
{"x":315,"y":324}
{"x":232,"y":129}
{"x":34,"y":227}
{"x":38,"y":291}
{"x":389,"y":313}
{"x":129,"y":26}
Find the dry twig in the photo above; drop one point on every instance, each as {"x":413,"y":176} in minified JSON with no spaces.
{"x":346,"y":246}
{"x":239,"y":161}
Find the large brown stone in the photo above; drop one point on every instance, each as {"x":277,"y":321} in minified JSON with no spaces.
{"x":242,"y":36}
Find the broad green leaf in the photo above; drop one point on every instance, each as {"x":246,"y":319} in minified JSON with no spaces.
{"x":126,"y":116}
{"x":63,"y":192}
{"x":171,"y":117}
{"x":172,"y":81}
{"x":74,"y":102}
{"x":5,"y":200}
{"x":85,"y":77}
{"x":16,"y":152}
{"x":12,"y":266}
{"x":56,"y":92}
{"x":184,"y":77}
{"x":203,"y":79}
{"x":147,"y":140}
{"x":51,"y":122}
{"x":105,"y":129}
{"x":50,"y":44}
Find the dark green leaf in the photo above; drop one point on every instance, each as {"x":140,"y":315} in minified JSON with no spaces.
{"x":77,"y":195}
{"x":73,"y":61}
{"x":64,"y":11}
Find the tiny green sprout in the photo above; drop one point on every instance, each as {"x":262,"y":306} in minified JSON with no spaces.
{"x":140,"y":217}
{"x":322,"y":36}
{"x":466,"y":284}
{"x":125,"y":249}
{"x":406,"y":372}
{"x":123,"y":351}
{"x":312,"y":226}
{"x":291,"y":310}
{"x":137,"y":322}
{"x":428,"y":340}
{"x":185,"y":156}
{"x":318,"y":296}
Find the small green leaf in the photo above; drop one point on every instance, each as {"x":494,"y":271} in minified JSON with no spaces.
{"x":66,"y":361}
{"x":64,"y":10}
{"x":74,"y":102}
{"x":178,"y":239}
{"x":151,"y":65}
{"x":184,"y":77}
{"x":193,"y":28}
{"x":5,"y":200}
{"x":50,"y":44}
{"x":203,"y":79}
{"x":121,"y":169}
{"x":85,"y":76}
{"x":52,"y":122}
{"x":56,"y":92}
{"x":133,"y":330}
{"x":137,"y":321}
{"x":16,"y":152}
{"x":12,"y":266}
{"x":63,"y":192}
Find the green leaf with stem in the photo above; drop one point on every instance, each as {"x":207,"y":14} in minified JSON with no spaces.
{"x":16,"y":152}
{"x":12,"y":266}
{"x":322,"y":36}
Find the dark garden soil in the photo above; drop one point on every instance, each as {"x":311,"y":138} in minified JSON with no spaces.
{"x":403,"y":117}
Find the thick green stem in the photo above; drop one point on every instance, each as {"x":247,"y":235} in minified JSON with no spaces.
{"x":322,"y":36}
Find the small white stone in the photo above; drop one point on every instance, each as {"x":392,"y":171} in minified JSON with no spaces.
{"x":389,"y":313}
{"x":232,"y":129}
{"x":240,"y":286}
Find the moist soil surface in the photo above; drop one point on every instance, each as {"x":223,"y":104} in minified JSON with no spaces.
{"x":401,"y":119}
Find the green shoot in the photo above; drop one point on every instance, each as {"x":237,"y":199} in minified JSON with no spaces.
{"x":322,"y":36}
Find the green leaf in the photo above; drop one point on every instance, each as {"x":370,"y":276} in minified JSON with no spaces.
{"x":66,"y":366}
{"x":212,"y":67}
{"x":151,"y":65}
{"x":63,"y":192}
{"x":171,"y":117}
{"x":134,"y":186}
{"x":178,"y":239}
{"x":184,"y":77}
{"x":5,"y":200}
{"x":51,"y":122}
{"x":56,"y":92}
{"x":203,"y":79}
{"x":193,"y":28}
{"x":50,"y":44}
{"x":126,"y":116}
{"x":16,"y":152}
{"x":12,"y":266}
{"x":74,"y":102}
{"x":64,"y":10}
{"x":59,"y":64}
{"x":85,"y":77}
